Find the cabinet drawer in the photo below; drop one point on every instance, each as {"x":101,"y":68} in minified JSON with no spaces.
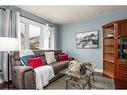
{"x":122,"y":73}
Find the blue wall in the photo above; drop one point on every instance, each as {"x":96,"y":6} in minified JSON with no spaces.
{"x":66,"y":37}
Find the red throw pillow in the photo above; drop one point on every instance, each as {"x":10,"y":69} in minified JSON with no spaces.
{"x":35,"y":62}
{"x":63,"y":57}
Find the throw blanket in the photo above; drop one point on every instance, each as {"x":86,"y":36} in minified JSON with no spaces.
{"x":43,"y":75}
{"x":26,"y":52}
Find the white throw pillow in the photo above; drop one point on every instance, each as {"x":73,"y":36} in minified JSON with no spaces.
{"x":50,"y":57}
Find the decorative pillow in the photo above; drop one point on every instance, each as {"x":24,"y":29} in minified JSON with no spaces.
{"x":63,"y":57}
{"x":35,"y":62}
{"x":24,"y":55}
{"x":50,"y":57}
{"x":25,"y":58}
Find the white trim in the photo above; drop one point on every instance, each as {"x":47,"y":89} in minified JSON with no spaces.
{"x":43,"y":29}
{"x":18,"y":29}
{"x":98,"y":70}
{"x":28,"y":21}
{"x":27,"y":45}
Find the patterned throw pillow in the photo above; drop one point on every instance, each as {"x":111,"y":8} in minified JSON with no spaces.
{"x":50,"y":57}
{"x":24,"y":55}
{"x":24,"y":59}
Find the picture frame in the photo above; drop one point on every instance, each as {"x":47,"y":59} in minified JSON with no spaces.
{"x":87,"y":40}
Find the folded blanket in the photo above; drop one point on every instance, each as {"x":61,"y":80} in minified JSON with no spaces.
{"x":43,"y":75}
{"x":25,"y":55}
{"x":25,"y":52}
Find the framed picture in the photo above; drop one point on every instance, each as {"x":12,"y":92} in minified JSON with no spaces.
{"x":87,"y":40}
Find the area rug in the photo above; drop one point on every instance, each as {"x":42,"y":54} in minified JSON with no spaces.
{"x":100,"y":83}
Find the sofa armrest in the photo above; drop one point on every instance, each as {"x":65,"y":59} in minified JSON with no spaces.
{"x":71,"y":58}
{"x":23,"y":77}
{"x":22,"y":69}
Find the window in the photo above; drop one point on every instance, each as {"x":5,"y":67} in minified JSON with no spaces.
{"x":36,"y":36}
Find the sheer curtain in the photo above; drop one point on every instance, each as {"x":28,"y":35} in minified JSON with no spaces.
{"x":53,"y":38}
{"x":9,"y":27}
{"x":46,"y":37}
{"x":49,"y":37}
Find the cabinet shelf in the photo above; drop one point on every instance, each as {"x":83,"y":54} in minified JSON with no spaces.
{"x":108,"y":45}
{"x":111,"y":61}
{"x":109,"y":52}
{"x":122,"y":60}
{"x":121,"y":36}
{"x":108,"y":37}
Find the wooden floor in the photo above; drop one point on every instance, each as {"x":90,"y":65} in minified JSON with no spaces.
{"x":4,"y":86}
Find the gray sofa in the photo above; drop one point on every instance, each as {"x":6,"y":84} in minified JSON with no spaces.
{"x":23,"y":77}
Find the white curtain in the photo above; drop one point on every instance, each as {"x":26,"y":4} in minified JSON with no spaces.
{"x":9,"y":27}
{"x":53,"y":38}
{"x":49,"y":37}
{"x":46,"y":37}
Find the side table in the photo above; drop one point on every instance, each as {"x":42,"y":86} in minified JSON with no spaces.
{"x":78,"y":80}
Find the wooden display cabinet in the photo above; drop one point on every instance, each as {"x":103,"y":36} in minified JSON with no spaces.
{"x":114,"y":65}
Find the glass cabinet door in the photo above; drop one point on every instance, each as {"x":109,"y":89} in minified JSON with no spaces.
{"x":123,"y":48}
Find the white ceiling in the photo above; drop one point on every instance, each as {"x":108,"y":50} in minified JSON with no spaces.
{"x":70,"y":14}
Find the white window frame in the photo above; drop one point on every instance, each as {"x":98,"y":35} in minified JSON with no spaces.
{"x":28,"y":22}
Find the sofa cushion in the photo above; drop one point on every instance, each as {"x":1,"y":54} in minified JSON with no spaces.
{"x":50,"y":57}
{"x":36,"y":53}
{"x":58,"y":66}
{"x":35,"y":62}
{"x":63,"y":57}
{"x":44,"y":60}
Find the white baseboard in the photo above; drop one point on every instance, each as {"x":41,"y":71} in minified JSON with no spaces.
{"x":98,"y":70}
